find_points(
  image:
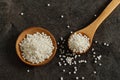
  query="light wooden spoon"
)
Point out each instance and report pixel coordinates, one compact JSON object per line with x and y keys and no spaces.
{"x":90,"y":30}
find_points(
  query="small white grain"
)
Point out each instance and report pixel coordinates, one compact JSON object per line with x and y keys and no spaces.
{"x":61,"y":78}
{"x":62,"y":16}
{"x":85,"y":61}
{"x":95,"y":61}
{"x":94,"y":52}
{"x":77,"y":78}
{"x":75,"y":62}
{"x":28,"y":70}
{"x":68,"y":26}
{"x":65,"y":64}
{"x":93,"y":49}
{"x":96,"y":41}
{"x":105,"y":44}
{"x":63,"y":56}
{"x":58,"y":43}
{"x":60,"y":56}
{"x":83,"y":78}
{"x":61,"y":38}
{"x":74,"y":72}
{"x":69,"y":72}
{"x":22,"y":13}
{"x":100,"y":64}
{"x":75,"y":67}
{"x":95,"y":15}
{"x":48,"y":4}
{"x":94,"y":56}
{"x":71,"y":32}
{"x":61,"y":59}
{"x":63,"y":70}
{"x":59,"y":63}
{"x":79,"y":55}
{"x":94,"y":72}
{"x":75,"y":56}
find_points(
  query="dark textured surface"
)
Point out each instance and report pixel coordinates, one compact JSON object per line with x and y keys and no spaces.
{"x":77,"y":14}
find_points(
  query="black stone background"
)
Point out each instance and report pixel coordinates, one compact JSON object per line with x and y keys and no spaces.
{"x":77,"y":14}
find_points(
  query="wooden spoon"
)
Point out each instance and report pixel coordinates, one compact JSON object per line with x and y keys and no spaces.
{"x":33,"y":30}
{"x":90,"y":30}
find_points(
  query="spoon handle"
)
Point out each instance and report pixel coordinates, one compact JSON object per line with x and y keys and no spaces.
{"x":107,"y":11}
{"x":91,"y":29}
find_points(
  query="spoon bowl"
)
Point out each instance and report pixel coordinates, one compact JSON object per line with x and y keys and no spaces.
{"x":90,"y":30}
{"x":33,"y":30}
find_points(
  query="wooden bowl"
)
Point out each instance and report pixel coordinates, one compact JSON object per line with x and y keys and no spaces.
{"x":33,"y":30}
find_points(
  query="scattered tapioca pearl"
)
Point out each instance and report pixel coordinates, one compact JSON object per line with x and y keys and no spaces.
{"x":28,"y":70}
{"x":94,"y":72}
{"x":61,"y":59}
{"x":63,"y":70}
{"x":61,"y":38}
{"x":71,"y":32}
{"x":22,"y":13}
{"x":93,"y":49}
{"x":99,"y":57}
{"x":60,"y":56}
{"x":77,"y":78}
{"x":69,"y":72}
{"x":65,"y":64}
{"x":79,"y":55}
{"x":61,"y":78}
{"x":95,"y":61}
{"x":96,"y":41}
{"x":63,"y":56}
{"x":79,"y":61}
{"x":95,"y":15}
{"x":94,"y":52}
{"x":74,"y":72}
{"x":48,"y":4}
{"x":68,"y":26}
{"x":75,"y":62}
{"x":83,"y":78}
{"x":75,"y":56}
{"x":94,"y":56}
{"x":85,"y":61}
{"x":62,"y":16}
{"x":75,"y":67}
{"x":58,"y":43}
{"x":72,"y":63}
{"x":59,"y":63}
{"x":100,"y":64}
{"x":105,"y":44}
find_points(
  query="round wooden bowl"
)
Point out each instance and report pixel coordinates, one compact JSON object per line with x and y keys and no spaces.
{"x":33,"y":30}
